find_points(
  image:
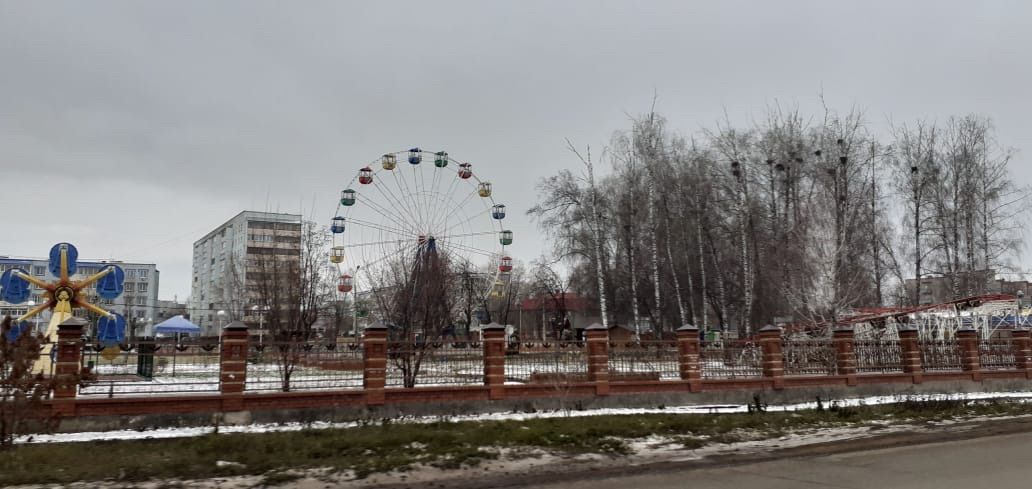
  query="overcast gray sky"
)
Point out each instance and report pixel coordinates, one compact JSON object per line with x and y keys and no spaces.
{"x":132,"y":128}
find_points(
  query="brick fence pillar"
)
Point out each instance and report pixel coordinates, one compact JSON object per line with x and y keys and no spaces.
{"x":598,"y":357}
{"x":910,"y":353}
{"x":773,"y":356}
{"x":845,"y":356}
{"x":1022,"y":346}
{"x":970,"y":360}
{"x":688,"y":356}
{"x":494,"y":360}
{"x":233,"y":365}
{"x":68,"y":365}
{"x":374,"y":363}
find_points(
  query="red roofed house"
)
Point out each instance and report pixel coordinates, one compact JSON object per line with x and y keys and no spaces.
{"x":540,"y":316}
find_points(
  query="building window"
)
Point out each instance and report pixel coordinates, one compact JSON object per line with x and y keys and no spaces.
{"x":142,"y":288}
{"x":140,"y":313}
{"x":38,"y":270}
{"x":131,"y":273}
{"x":143,"y":274}
{"x":129,"y":286}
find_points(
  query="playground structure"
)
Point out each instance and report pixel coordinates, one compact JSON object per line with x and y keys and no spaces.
{"x":988,"y":315}
{"x":62,"y":296}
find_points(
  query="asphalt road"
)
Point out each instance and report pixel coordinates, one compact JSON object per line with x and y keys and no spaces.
{"x":998,"y":462}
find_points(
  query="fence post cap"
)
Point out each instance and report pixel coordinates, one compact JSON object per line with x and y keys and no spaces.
{"x":906,"y":327}
{"x":842,"y":328}
{"x":235,"y":326}
{"x":376,"y":326}
{"x":688,"y":327}
{"x":72,"y":323}
{"x":770,"y":327}
{"x":595,"y":327}
{"x":492,"y":326}
{"x":967,"y":329}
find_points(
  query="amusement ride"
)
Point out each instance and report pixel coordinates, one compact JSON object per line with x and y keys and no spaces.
{"x":408,"y":204}
{"x":62,"y":295}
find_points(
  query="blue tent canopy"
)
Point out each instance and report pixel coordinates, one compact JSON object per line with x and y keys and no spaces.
{"x":176,"y":324}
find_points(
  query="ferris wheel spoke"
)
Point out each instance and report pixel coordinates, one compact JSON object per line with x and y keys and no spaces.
{"x":435,"y":201}
{"x":375,"y":243}
{"x":451,"y":187}
{"x":470,"y":218}
{"x":424,"y":201}
{"x":379,"y":210}
{"x":399,"y":209}
{"x":379,"y":227}
{"x":410,"y":195}
{"x":404,"y":194}
{"x":414,"y":193}
{"x":447,"y":236}
{"x":470,"y":249}
{"x":459,"y":206}
{"x":441,"y":205}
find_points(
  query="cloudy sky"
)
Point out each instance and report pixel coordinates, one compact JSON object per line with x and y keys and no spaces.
{"x":132,"y":128}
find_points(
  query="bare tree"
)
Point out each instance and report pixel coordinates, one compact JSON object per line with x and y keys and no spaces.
{"x":22,"y":391}
{"x":416,"y":295}
{"x":293,"y":283}
{"x":553,"y":287}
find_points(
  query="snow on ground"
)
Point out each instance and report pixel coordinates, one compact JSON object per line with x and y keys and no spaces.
{"x":686,"y":409}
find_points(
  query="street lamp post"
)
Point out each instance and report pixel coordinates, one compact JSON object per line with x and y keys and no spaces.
{"x":260,"y":311}
{"x":35,"y":319}
{"x":221,"y":317}
{"x":354,"y":303}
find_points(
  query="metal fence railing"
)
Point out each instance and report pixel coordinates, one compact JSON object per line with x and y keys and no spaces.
{"x":644,"y":360}
{"x":149,"y":367}
{"x":167,"y":366}
{"x":300,"y":366}
{"x":730,"y":360}
{"x":422,"y":364}
{"x":878,"y":356}
{"x":940,"y":355}
{"x":810,"y":357}
{"x":996,"y":354}
{"x":547,"y":362}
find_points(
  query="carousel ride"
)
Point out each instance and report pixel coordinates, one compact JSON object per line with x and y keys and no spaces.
{"x":63,"y":294}
{"x":410,"y":207}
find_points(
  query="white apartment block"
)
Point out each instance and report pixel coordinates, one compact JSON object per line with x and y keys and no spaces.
{"x":220,"y":262}
{"x":138,"y":303}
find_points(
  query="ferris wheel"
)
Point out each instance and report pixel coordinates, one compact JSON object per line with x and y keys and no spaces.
{"x":415,"y":201}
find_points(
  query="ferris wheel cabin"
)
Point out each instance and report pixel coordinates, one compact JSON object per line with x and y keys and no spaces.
{"x":505,"y":264}
{"x":441,"y":159}
{"x":484,"y":189}
{"x":415,"y":156}
{"x":337,"y":254}
{"x":337,"y":225}
{"x":347,"y":197}
{"x":365,"y":176}
{"x":498,"y":211}
{"x":346,"y":283}
{"x":465,"y":170}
